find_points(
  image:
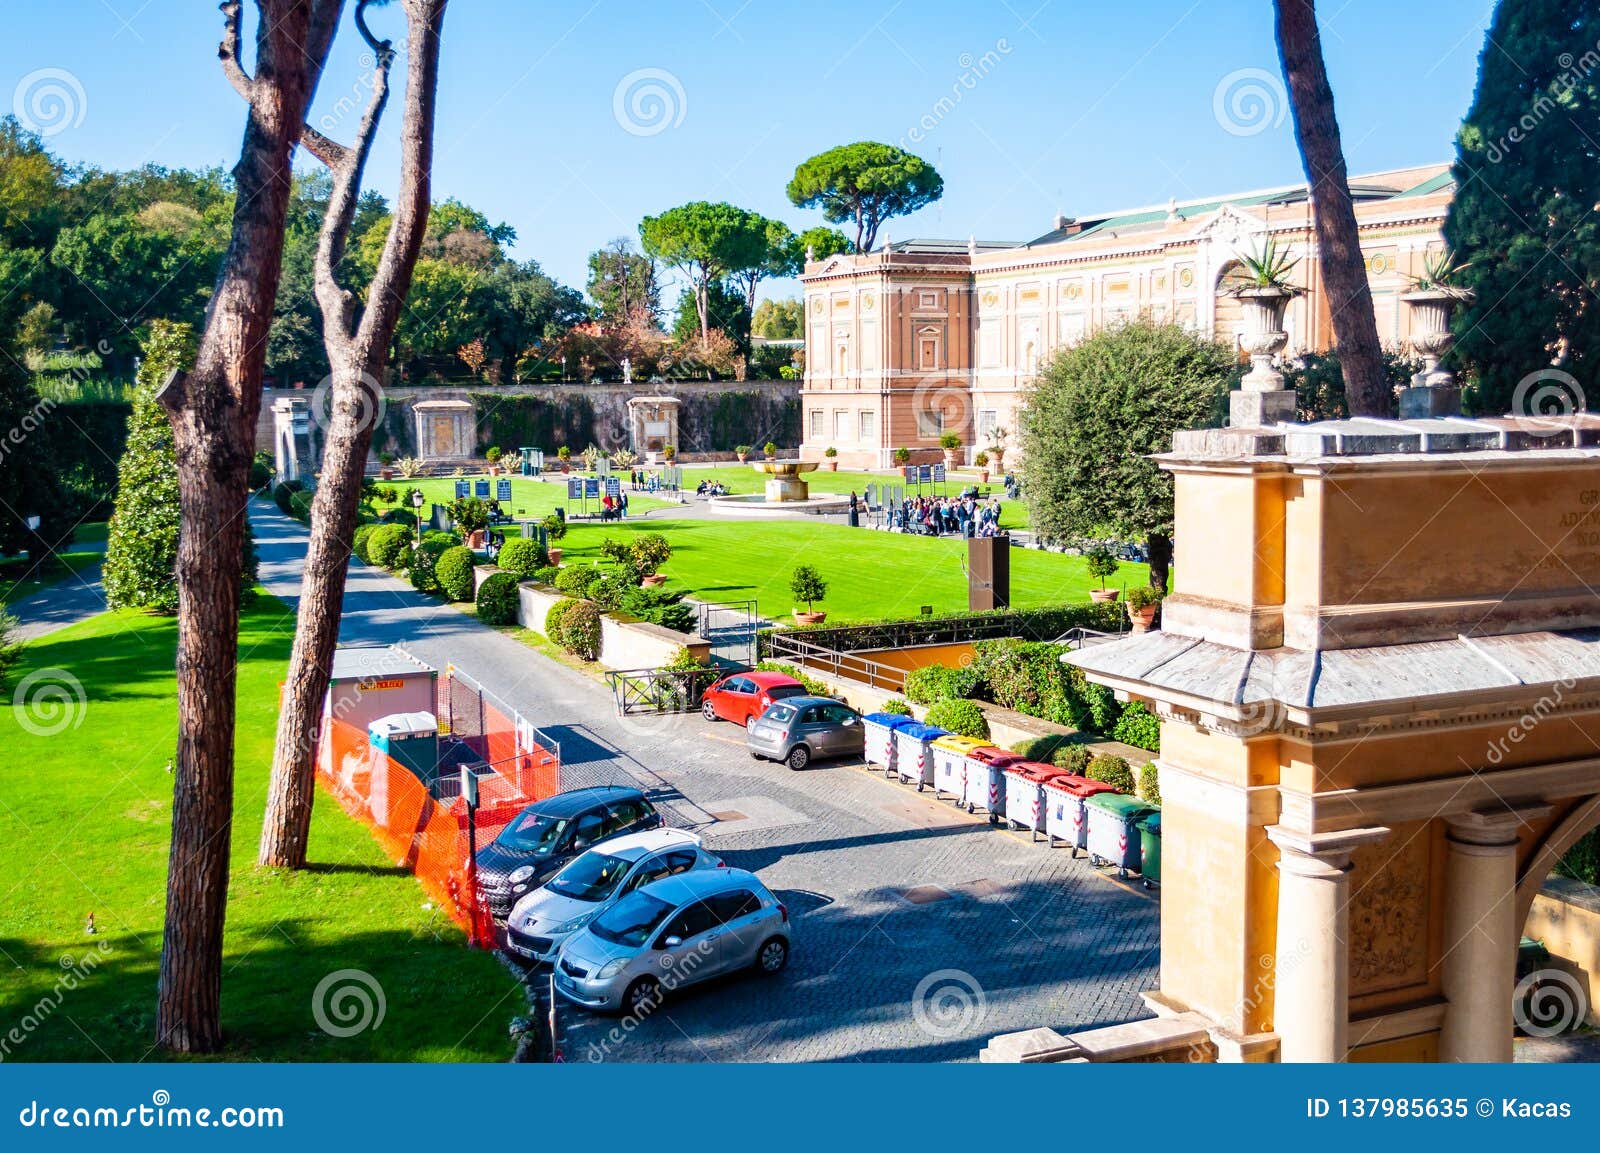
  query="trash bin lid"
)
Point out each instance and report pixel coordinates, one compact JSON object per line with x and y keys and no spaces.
{"x":1152,"y":823}
{"x":955,"y":744}
{"x":920,"y":732}
{"x":890,"y":720}
{"x":994,"y":755}
{"x":416,"y":724}
{"x":1078,"y":786}
{"x":1031,"y":771}
{"x":1121,"y":805}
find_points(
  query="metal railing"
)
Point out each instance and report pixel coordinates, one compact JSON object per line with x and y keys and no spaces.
{"x":877,"y":674}
{"x":654,"y":691}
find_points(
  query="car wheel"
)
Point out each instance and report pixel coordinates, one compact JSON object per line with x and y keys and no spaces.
{"x":708,"y":711}
{"x":772,"y":956}
{"x":642,"y":997}
{"x":748,"y":721}
{"x":799,"y":757}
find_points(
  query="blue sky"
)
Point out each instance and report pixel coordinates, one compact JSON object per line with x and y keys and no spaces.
{"x":1063,"y":106}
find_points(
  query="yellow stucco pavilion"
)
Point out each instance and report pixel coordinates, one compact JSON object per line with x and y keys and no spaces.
{"x":1379,"y":692}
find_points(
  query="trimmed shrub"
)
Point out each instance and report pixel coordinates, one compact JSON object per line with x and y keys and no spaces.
{"x":895,"y":707}
{"x":282,"y":493}
{"x":555,"y":617}
{"x":660,"y":607}
{"x":1150,"y":783}
{"x":1138,"y":726}
{"x":580,"y":630}
{"x":520,"y":556}
{"x":1073,"y":758}
{"x":497,"y":599}
{"x":424,"y":578}
{"x":545,"y":575}
{"x":1042,"y":749}
{"x":387,"y":544}
{"x":612,"y":589}
{"x":401,"y":516}
{"x":261,"y":469}
{"x":358,"y":542}
{"x":300,"y":506}
{"x":963,"y":718}
{"x":577,"y":580}
{"x":453,"y":570}
{"x":1113,"y":771}
{"x":929,"y":684}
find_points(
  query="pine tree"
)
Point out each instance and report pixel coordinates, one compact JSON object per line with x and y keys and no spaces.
{"x":142,"y":541}
{"x":1527,"y":174}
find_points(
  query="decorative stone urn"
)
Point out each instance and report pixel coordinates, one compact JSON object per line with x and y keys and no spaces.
{"x":997,"y":458}
{"x":1433,"y":391}
{"x":1261,"y":399}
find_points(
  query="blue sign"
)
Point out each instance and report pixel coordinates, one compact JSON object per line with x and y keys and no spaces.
{"x":911,"y":474}
{"x":463,"y":490}
{"x":502,"y":489}
{"x":924,"y":474}
{"x":480,"y":488}
{"x":938,"y":473}
{"x":574,"y":488}
{"x":591,"y":486}
{"x":613,"y":487}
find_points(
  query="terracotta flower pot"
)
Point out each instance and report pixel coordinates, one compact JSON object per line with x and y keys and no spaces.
{"x":998,"y":458}
{"x":801,"y":618}
{"x":983,"y":476}
{"x":476,"y":538}
{"x":386,"y":474}
{"x":832,"y":465}
{"x":1142,"y":619}
{"x":743,"y":456}
{"x":1103,"y":595}
{"x":652,"y":580}
{"x":555,"y":556}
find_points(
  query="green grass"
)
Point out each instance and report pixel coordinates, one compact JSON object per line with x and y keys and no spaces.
{"x":529,"y":496}
{"x":21,"y":577}
{"x":870,"y":574}
{"x":84,"y":827}
{"x":743,"y":478}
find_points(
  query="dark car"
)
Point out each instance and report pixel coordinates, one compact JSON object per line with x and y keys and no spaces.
{"x":549,"y":833}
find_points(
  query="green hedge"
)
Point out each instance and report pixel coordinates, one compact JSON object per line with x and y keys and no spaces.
{"x":1150,"y":783}
{"x":1138,"y":726}
{"x":961,"y":717}
{"x":1073,"y":758}
{"x":358,"y":542}
{"x":555,"y":617}
{"x":388,"y":544}
{"x":283,"y":495}
{"x":497,"y":599}
{"x":1038,"y":624}
{"x":1113,"y":771}
{"x":454,"y":573}
{"x":896,"y":708}
{"x":522,"y":557}
{"x":580,"y":630}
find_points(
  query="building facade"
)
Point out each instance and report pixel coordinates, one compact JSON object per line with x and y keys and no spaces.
{"x":923,"y":337}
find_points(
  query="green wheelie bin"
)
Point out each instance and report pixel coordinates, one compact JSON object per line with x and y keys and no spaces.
{"x":1150,"y":846}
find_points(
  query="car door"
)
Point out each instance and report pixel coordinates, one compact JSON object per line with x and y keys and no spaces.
{"x":730,"y":701}
{"x":739,"y":928}
{"x":849,"y":735}
{"x":695,"y":955}
{"x":811,"y":729}
{"x":587,"y":830}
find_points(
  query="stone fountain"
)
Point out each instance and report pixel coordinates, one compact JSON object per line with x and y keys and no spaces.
{"x":787,"y":493}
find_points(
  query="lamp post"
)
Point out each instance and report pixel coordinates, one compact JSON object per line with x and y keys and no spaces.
{"x":416,"y":503}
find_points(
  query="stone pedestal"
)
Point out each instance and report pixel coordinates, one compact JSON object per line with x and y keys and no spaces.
{"x":1249,"y":408}
{"x":1419,"y":402}
{"x":785,"y":488}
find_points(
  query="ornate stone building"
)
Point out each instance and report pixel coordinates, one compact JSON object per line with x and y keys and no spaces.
{"x":922,"y":337}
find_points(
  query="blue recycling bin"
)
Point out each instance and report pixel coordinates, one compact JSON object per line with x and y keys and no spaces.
{"x":913,"y":761}
{"x":879,"y":730}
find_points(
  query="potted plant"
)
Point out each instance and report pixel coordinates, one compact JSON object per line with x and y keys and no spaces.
{"x":591,"y":457}
{"x":1261,"y":284}
{"x":564,"y":455}
{"x":902,"y":456}
{"x":555,"y":528}
{"x":770,"y":450}
{"x":997,"y":448}
{"x":471,"y":516}
{"x":832,"y":461}
{"x":742,"y":452}
{"x":807,"y":585}
{"x":982,"y":463}
{"x":492,"y":454}
{"x":386,"y":465}
{"x":669,"y":452}
{"x":648,"y":553}
{"x":1101,"y":563}
{"x":951,"y":443}
{"x":1142,"y":602}
{"x":1432,"y":298}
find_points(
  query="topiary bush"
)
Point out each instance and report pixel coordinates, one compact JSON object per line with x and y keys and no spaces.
{"x":895,"y":707}
{"x":261,"y":469}
{"x":929,"y":684}
{"x":1138,"y":726}
{"x":963,"y":718}
{"x":545,"y":576}
{"x":580,"y":630}
{"x":453,"y":570}
{"x":554,"y":617}
{"x":401,"y":516}
{"x":387,"y":544}
{"x":660,"y":607}
{"x":1150,"y":783}
{"x":424,"y":577}
{"x":300,"y":506}
{"x":522,"y":556}
{"x":1113,"y":771}
{"x":577,"y":580}
{"x":1073,"y":758}
{"x":282,"y":493}
{"x":612,"y":589}
{"x":358,"y":542}
{"x":497,"y":599}
{"x":1042,"y":749}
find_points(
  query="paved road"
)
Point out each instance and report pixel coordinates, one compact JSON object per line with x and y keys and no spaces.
{"x":76,"y":598}
{"x":1015,"y":936}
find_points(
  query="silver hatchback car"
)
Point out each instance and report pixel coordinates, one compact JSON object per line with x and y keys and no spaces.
{"x":675,"y":932}
{"x":800,"y":729}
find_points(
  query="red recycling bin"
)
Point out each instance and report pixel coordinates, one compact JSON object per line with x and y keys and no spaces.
{"x":1025,"y":783}
{"x":985,"y":786}
{"x":1066,"y":819}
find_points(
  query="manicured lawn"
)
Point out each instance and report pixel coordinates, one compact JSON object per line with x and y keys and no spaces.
{"x":870,"y":574}
{"x":743,"y":478}
{"x":530,"y":496}
{"x":84,"y":827}
{"x":21,"y":577}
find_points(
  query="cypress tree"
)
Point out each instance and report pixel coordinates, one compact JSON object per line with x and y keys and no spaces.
{"x":142,"y":540}
{"x":1527,"y":174}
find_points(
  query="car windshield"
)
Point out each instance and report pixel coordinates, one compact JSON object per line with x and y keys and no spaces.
{"x":631,"y":920}
{"x":592,"y":877}
{"x":532,"y":833}
{"x":780,"y":713}
{"x":778,"y":692}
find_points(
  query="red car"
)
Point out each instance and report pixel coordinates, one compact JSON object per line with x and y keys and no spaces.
{"x":743,"y":697}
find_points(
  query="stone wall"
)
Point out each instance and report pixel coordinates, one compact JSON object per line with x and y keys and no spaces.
{"x":625,"y":641}
{"x":1566,"y":918}
{"x":713,"y":417}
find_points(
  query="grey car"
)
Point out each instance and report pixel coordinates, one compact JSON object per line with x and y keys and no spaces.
{"x":675,"y":932}
{"x":801,"y":729}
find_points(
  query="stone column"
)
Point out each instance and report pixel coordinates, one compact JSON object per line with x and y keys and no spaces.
{"x":1479,"y":966}
{"x":1311,"y":1002}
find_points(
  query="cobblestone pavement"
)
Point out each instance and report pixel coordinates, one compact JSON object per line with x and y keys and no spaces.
{"x":1014,"y":936}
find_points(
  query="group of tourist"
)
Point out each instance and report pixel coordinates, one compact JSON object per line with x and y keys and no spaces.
{"x":712,"y":488}
{"x":614,"y":507}
{"x":966,"y":515}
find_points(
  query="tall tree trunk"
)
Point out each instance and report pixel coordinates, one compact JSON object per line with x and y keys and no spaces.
{"x":358,"y":354}
{"x":1158,"y":546}
{"x":213,"y":412}
{"x":1343,"y":271}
